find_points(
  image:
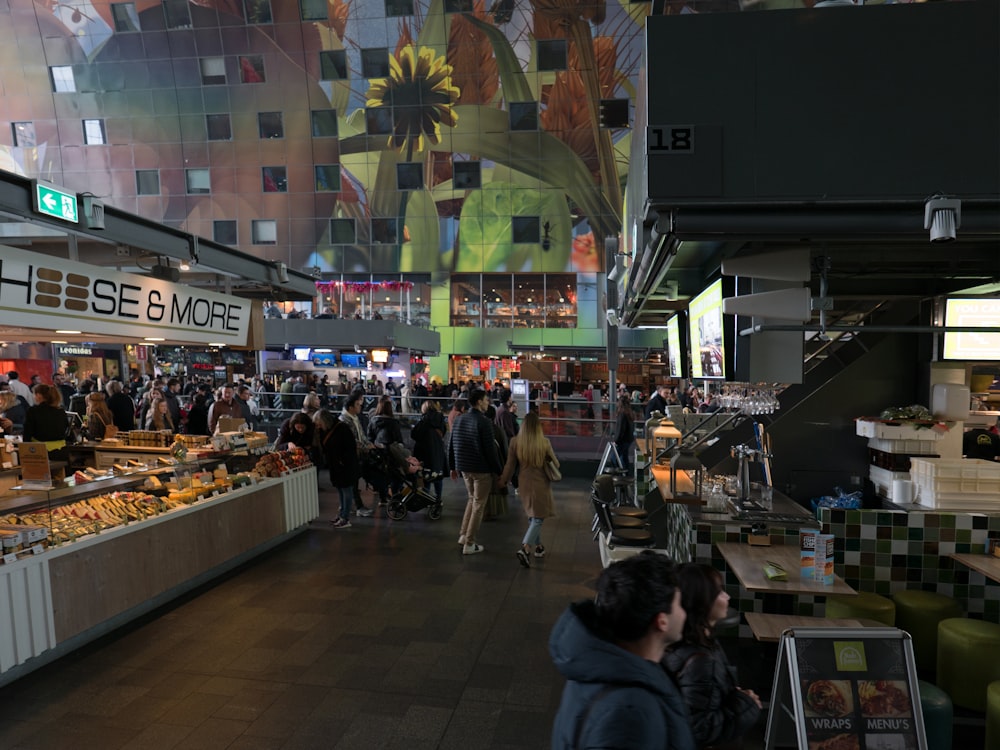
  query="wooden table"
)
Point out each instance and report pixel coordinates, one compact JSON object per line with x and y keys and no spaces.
{"x":770,"y":627}
{"x":747,"y":563}
{"x":988,"y":565}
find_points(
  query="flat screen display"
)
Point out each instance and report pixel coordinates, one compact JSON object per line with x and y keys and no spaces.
{"x":302,"y":353}
{"x":380,"y":355}
{"x":233,"y":358}
{"x":353,"y":360}
{"x":708,"y":355}
{"x":201,"y":358}
{"x":970,"y":345}
{"x":675,"y":352}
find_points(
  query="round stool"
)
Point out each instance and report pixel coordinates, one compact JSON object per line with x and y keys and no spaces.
{"x":865,"y":605}
{"x":993,"y":714}
{"x":935,"y":705}
{"x":968,"y":659}
{"x":918,"y":613}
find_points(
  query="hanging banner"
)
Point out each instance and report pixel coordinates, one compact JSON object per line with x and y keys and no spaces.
{"x":38,"y":291}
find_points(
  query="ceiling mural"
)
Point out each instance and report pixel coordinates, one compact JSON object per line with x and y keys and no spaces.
{"x":372,"y":136}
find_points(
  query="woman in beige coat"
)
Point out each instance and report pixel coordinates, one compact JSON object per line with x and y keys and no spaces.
{"x":529,"y":450}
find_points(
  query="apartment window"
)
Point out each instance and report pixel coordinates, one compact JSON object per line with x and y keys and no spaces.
{"x":270,"y":125}
{"x":213,"y":70}
{"x":526,"y":230}
{"x":313,"y":10}
{"x":264,"y":231}
{"x":333,"y":65}
{"x":395,"y":8}
{"x":324,"y":123}
{"x":385,"y":231}
{"x":613,"y":113}
{"x":327,"y":178}
{"x":147,"y":182}
{"x":224,"y":232}
{"x":94,"y":133}
{"x":342,"y":232}
{"x":62,"y":78}
{"x":219,"y":127}
{"x":551,"y":54}
{"x":375,"y":63}
{"x":524,"y":115}
{"x":409,"y":176}
{"x":198,"y":182}
{"x":23,"y":134}
{"x":274,"y":179}
{"x":466,"y":175}
{"x":177,"y":14}
{"x":124,"y":16}
{"x":252,"y":69}
{"x":257,"y":11}
{"x":378,"y":120}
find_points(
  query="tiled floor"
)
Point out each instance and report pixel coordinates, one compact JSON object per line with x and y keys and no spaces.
{"x":378,"y":636}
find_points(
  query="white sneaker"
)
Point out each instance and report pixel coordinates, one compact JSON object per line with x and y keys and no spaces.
{"x":365,"y":513}
{"x":472,"y":549}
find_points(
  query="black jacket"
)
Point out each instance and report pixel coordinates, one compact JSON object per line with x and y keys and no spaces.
{"x":44,"y":423}
{"x":656,"y":403}
{"x":720,"y":713}
{"x":341,"y":453}
{"x":613,"y":698}
{"x":472,"y":447}
{"x":384,"y":431}
{"x":428,"y":440}
{"x":122,"y":411}
{"x":624,"y":428}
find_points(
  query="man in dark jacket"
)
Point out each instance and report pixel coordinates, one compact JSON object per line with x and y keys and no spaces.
{"x":617,"y":694}
{"x":658,"y":401}
{"x":473,"y":451}
{"x":170,"y":392}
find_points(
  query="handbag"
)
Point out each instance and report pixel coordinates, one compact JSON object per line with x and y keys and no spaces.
{"x":552,"y":471}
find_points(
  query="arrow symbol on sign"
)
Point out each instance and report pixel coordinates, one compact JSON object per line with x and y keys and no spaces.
{"x":49,"y":201}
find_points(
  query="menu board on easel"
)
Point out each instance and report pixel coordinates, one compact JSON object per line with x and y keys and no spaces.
{"x":845,"y":689}
{"x":36,"y":473}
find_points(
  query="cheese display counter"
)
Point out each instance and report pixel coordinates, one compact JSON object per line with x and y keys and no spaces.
{"x":123,"y":551}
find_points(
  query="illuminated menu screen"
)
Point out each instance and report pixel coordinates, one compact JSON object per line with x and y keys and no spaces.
{"x":972,"y":345}
{"x":674,"y":359}
{"x":856,"y":694}
{"x":705,"y":319}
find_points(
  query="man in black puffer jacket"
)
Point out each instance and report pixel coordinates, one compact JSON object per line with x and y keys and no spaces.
{"x":473,"y":451}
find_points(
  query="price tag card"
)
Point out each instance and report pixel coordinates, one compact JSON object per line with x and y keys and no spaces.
{"x":215,"y":493}
{"x":10,"y":558}
{"x":200,"y":498}
{"x":37,"y":549}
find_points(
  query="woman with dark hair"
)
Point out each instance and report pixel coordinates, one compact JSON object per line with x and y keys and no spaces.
{"x":721,"y":711}
{"x":428,"y":441}
{"x":197,"y":421}
{"x":98,"y":415}
{"x":459,"y":407}
{"x":298,"y":430}
{"x":384,"y":429}
{"x":336,"y":440}
{"x":46,"y":421}
{"x":625,"y":431}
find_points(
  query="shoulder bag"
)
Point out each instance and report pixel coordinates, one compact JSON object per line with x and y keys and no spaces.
{"x":552,"y":471}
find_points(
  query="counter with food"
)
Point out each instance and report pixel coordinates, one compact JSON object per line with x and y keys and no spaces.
{"x":111,"y":551}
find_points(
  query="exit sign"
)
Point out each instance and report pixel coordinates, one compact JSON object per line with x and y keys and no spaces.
{"x":56,"y":202}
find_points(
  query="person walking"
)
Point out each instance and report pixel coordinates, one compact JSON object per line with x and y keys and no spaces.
{"x":336,"y":439}
{"x":528,"y":452}
{"x":625,"y":432}
{"x":473,"y":452}
{"x":609,"y":650}
{"x":428,"y":442}
{"x":721,"y":711}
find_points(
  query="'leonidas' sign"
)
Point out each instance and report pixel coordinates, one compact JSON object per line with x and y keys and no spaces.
{"x":38,"y":291}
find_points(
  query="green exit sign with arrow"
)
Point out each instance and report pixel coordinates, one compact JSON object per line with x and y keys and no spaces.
{"x":56,"y":202}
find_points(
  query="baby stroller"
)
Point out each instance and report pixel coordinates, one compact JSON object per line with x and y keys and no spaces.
{"x":413,"y":495}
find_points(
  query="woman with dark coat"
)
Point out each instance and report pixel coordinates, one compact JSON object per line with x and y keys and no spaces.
{"x":428,"y":441}
{"x":46,"y":421}
{"x":384,"y":429}
{"x":336,"y":440}
{"x":721,"y":711}
{"x":297,"y":430}
{"x":528,"y":452}
{"x":625,"y":431}
{"x":197,"y":421}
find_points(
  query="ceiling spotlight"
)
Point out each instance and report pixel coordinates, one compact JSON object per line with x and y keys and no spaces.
{"x":943,"y":217}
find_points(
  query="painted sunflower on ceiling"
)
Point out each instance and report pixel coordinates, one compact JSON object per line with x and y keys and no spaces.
{"x":421,"y":95}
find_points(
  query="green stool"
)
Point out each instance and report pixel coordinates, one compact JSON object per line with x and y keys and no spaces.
{"x":993,"y":715}
{"x":968,"y":659}
{"x":865,"y":605}
{"x":918,"y":613}
{"x":935,"y":705}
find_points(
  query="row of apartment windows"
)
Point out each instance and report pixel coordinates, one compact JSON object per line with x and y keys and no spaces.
{"x":177,"y":13}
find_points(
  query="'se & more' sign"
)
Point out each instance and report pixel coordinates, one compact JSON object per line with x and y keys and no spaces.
{"x":38,"y":291}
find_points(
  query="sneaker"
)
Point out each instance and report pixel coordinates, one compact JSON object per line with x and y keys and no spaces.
{"x":472,"y":549}
{"x":522,"y":557}
{"x":365,"y":513}
{"x":341,"y":523}
{"x":461,"y":540}
{"x":539,"y":551}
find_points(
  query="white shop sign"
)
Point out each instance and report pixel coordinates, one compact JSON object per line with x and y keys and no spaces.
{"x":39,"y":291}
